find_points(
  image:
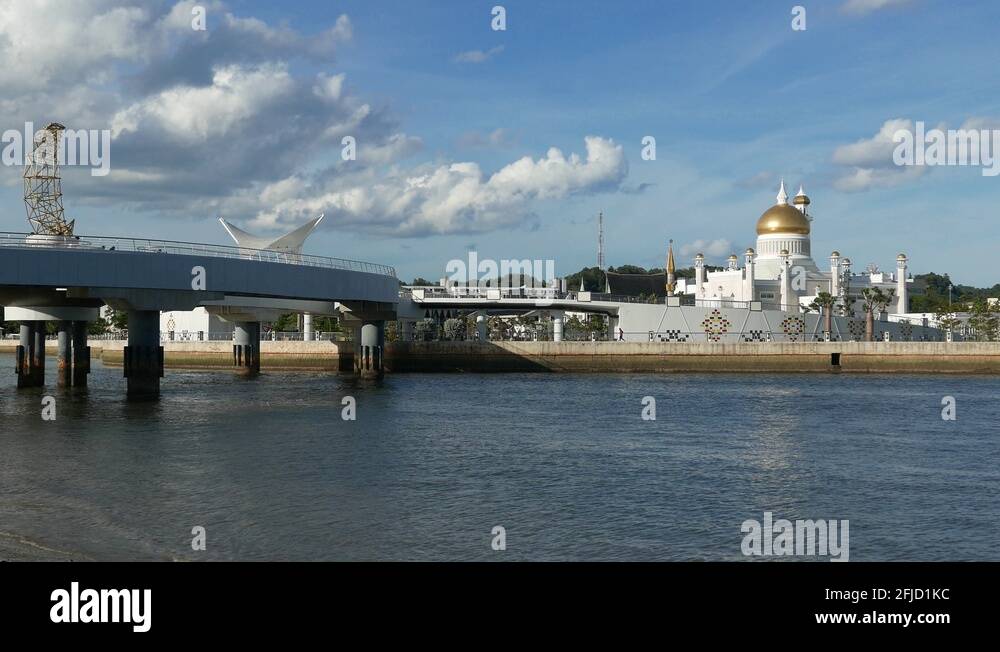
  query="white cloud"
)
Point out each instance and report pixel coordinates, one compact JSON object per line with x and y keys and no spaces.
{"x":454,"y":198}
{"x":711,"y":248}
{"x":870,"y":161}
{"x":499,"y":137}
{"x":478,"y":56}
{"x":862,"y":7}
{"x":46,"y":41}
{"x":861,"y":179}
{"x":222,"y":122}
{"x":874,"y":151}
{"x":193,"y":113}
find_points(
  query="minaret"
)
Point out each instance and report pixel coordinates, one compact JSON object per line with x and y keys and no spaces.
{"x":782,"y":195}
{"x":802,"y":201}
{"x":789,"y":300}
{"x":699,"y":276}
{"x":902,"y":300}
{"x":748,"y":277}
{"x":671,"y":279}
{"x":733,"y":262}
{"x":835,"y":273}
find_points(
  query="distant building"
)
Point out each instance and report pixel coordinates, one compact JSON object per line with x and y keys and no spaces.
{"x":193,"y":325}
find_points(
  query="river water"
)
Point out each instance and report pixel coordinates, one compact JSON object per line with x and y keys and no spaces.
{"x":564,"y":463}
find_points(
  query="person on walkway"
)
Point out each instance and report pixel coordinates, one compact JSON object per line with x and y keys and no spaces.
{"x":621,"y":334}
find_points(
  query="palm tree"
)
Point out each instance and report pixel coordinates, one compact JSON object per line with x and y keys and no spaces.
{"x":823,"y":304}
{"x":874,"y":300}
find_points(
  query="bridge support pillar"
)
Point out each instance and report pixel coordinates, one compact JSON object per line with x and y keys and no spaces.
{"x":246,"y":348}
{"x":38,"y":354}
{"x":482,"y":327}
{"x":26,"y":355}
{"x":81,"y":354}
{"x":557,"y":326}
{"x":64,"y":362}
{"x":369,"y":343}
{"x":143,"y":359}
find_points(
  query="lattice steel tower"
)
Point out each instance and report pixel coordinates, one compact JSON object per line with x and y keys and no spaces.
{"x":43,"y":186}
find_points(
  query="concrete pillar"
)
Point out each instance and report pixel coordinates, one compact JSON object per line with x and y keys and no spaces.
{"x":902,"y":299}
{"x":748,"y":276}
{"x":789,"y":298}
{"x":835,"y":274}
{"x":482,"y":327}
{"x":65,"y":359}
{"x":369,"y":344}
{"x":81,"y":354}
{"x":38,"y":354}
{"x":143,"y":356}
{"x":246,"y":348}
{"x":699,"y":276}
{"x":557,"y":326}
{"x":613,"y":322}
{"x":25,"y":352}
{"x":307,"y":326}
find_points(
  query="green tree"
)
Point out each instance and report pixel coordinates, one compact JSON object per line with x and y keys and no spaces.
{"x":454,"y":329}
{"x":874,"y":300}
{"x":946,"y":319}
{"x":983,"y":320}
{"x":823,"y":304}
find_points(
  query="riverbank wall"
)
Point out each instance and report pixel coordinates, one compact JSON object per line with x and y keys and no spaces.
{"x":657,"y":357}
{"x":590,"y":357}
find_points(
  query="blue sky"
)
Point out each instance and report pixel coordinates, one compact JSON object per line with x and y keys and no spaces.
{"x":455,"y":122}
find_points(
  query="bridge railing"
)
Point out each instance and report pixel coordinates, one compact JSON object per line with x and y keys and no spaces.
{"x":151,"y":246}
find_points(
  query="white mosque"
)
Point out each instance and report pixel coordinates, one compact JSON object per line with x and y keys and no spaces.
{"x":770,"y":296}
{"x":781,"y":273}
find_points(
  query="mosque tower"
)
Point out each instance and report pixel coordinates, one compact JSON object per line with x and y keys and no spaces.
{"x":784,"y":227}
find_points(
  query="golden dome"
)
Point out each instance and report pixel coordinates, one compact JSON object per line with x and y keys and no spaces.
{"x":782,"y":218}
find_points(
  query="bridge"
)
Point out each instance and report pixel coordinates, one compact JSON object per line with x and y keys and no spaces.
{"x":418,"y":302}
{"x":68,"y":278}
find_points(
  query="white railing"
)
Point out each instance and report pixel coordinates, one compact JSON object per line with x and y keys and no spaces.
{"x":144,"y":245}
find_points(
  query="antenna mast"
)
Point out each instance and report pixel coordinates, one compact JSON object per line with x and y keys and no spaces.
{"x":600,"y":241}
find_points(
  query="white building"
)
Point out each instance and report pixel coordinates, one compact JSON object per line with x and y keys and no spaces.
{"x":781,"y":272}
{"x":193,"y":325}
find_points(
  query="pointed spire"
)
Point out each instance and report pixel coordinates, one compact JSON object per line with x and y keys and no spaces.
{"x":671,"y":268}
{"x":801,"y":193}
{"x":782,"y":195}
{"x":581,"y":284}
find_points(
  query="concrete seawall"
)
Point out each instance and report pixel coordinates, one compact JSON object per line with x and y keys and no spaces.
{"x":917,"y":357}
{"x":219,"y":354}
{"x":595,"y":357}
